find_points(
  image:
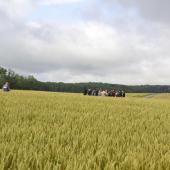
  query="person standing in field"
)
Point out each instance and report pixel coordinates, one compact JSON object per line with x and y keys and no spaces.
{"x":117,"y":94}
{"x":94,"y":92}
{"x":110,"y":93}
{"x":123,"y":94}
{"x":97,"y":92}
{"x":120,"y":93}
{"x":89,"y":92}
{"x":104,"y":93}
{"x":100,"y":92}
{"x":114,"y":93}
{"x":6,"y":87}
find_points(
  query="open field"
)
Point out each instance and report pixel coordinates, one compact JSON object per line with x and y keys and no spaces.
{"x":57,"y":131}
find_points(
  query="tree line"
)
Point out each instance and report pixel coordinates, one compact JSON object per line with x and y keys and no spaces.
{"x":20,"y":82}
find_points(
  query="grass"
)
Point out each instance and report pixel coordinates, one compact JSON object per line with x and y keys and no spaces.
{"x":58,"y":131}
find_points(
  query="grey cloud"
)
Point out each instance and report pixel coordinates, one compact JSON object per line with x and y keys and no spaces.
{"x":87,"y":51}
{"x":154,"y":10}
{"x":76,"y":54}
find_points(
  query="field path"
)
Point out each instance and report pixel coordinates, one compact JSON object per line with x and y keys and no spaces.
{"x":151,"y":95}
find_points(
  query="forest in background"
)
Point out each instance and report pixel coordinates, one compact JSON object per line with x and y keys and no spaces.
{"x":20,"y":82}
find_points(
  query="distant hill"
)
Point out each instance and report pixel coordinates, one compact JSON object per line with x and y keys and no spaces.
{"x":30,"y":83}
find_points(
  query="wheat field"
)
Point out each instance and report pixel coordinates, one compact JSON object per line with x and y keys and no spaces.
{"x":59,"y":131}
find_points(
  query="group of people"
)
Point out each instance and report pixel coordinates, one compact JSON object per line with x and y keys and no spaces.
{"x":111,"y":93}
{"x":6,"y":87}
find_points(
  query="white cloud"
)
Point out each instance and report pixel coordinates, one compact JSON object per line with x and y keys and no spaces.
{"x":16,"y":8}
{"x":57,"y":2}
{"x":87,"y":52}
{"x":129,"y":50}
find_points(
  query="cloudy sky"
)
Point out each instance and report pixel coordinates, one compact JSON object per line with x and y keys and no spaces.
{"x":115,"y":41}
